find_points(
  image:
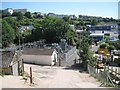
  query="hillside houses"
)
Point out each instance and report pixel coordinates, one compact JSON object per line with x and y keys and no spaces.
{"x":61,"y":15}
{"x":10,"y":11}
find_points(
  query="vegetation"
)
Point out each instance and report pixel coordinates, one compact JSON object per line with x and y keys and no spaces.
{"x":8,"y":35}
{"x":28,"y":15}
{"x":84,"y":48}
{"x":49,"y":28}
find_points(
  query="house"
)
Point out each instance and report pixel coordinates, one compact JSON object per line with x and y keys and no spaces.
{"x":57,"y":15}
{"x":106,"y":30}
{"x":23,"y":11}
{"x":41,"y":56}
{"x":8,"y":11}
{"x":61,"y":15}
{"x":12,"y":64}
{"x":97,"y":37}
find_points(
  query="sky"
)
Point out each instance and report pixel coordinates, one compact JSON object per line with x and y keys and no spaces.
{"x":103,"y":9}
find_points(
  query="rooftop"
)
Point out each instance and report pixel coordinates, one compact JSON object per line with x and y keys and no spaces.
{"x":96,"y":34}
{"x":38,"y":51}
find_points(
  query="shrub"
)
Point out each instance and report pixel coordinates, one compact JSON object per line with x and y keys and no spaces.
{"x":103,"y":45}
{"x":111,"y":47}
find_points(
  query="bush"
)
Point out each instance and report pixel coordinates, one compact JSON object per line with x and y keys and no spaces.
{"x":111,"y":47}
{"x":103,"y":45}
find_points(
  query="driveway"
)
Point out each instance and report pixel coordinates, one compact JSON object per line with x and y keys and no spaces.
{"x":61,"y":77}
{"x":51,"y":77}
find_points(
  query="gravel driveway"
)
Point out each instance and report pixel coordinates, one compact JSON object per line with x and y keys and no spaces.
{"x":51,"y":77}
{"x":60,"y":77}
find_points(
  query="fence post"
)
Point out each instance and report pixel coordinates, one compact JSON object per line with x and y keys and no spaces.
{"x":116,"y":72}
{"x":30,"y":74}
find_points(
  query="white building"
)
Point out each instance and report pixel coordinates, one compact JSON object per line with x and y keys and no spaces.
{"x":8,"y":11}
{"x":43,"y":56}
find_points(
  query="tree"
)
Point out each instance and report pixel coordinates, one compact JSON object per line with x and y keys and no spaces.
{"x":111,"y":47}
{"x":66,"y":19}
{"x":51,"y":29}
{"x":103,"y":45}
{"x":19,"y":16}
{"x":82,"y":23}
{"x":13,"y":23}
{"x":8,"y":34}
{"x":15,"y":26}
{"x":84,"y":48}
{"x":94,"y":22}
{"x":71,"y":36}
{"x":54,"y":29}
{"x":28,"y":15}
{"x":14,"y":13}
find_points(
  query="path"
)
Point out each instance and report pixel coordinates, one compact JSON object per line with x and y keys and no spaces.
{"x":52,"y":77}
{"x":68,"y":78}
{"x":61,"y":77}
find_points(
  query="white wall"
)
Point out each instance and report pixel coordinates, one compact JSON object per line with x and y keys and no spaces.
{"x":37,"y":59}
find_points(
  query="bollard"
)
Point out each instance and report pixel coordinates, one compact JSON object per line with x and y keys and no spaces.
{"x":30,"y":74}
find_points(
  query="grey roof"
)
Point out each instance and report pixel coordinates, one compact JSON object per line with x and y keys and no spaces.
{"x":6,"y":58}
{"x":37,"y":51}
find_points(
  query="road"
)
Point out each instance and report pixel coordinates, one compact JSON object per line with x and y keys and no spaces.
{"x":95,"y":48}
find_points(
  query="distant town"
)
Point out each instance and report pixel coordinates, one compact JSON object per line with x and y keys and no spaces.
{"x":49,"y":50}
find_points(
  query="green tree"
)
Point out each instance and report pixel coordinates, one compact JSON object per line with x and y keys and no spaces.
{"x":94,"y":22}
{"x":54,"y":29}
{"x":15,"y":25}
{"x":19,"y":16}
{"x":8,"y":34}
{"x":66,"y":19}
{"x":71,"y":37}
{"x":51,"y":29}
{"x":28,"y":15}
{"x":84,"y":48}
